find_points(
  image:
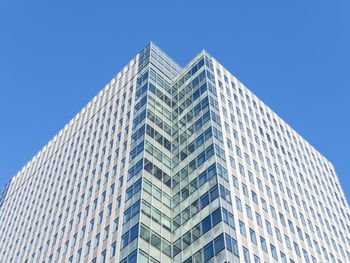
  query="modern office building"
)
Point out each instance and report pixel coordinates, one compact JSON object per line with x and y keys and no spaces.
{"x":171,"y":164}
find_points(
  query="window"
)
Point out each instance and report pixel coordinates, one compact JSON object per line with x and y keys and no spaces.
{"x":109,"y":210}
{"x":238,"y":204}
{"x":119,"y":202}
{"x":208,"y":252}
{"x":216,"y":216}
{"x":166,"y":247}
{"x":256,"y":259}
{"x":278,"y":234}
{"x":115,"y":224}
{"x":283,"y":258}
{"x":242,"y":228}
{"x":155,"y":240}
{"x":129,"y":236}
{"x":143,"y":257}
{"x":186,"y":240}
{"x":258,"y":219}
{"x":103,"y":256}
{"x":113,"y":249}
{"x":263,"y":244}
{"x":87,"y":248}
{"x":100,"y":217}
{"x":273,"y":251}
{"x":297,"y":250}
{"x":206,"y":224}
{"x":291,"y":227}
{"x":286,"y":238}
{"x":255,"y":197}
{"x":219,"y":244}
{"x":229,"y":144}
{"x":268,"y":227}
{"x":145,"y":233}
{"x":235,"y":182}
{"x":91,"y":225}
{"x":97,"y":240}
{"x":300,"y":234}
{"x":249,"y":211}
{"x":246,"y":255}
{"x":245,"y":189}
{"x":238,"y":151}
{"x":252,"y":236}
{"x":106,"y":232}
{"x":306,"y":256}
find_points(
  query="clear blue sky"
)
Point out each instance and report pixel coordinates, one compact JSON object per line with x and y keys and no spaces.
{"x":56,"y":55}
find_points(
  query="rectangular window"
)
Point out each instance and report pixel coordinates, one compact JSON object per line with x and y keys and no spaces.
{"x":242,"y":228}
{"x":263,"y":244}
{"x":252,"y":236}
{"x":273,"y":251}
{"x":246,"y":256}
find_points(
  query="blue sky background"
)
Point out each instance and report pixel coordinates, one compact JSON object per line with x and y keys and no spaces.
{"x":56,"y":55}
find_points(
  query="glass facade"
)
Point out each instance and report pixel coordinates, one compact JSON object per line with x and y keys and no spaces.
{"x":172,"y":164}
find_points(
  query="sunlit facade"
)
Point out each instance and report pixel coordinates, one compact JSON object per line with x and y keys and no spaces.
{"x":175,"y":164}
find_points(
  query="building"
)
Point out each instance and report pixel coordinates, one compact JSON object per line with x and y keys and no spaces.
{"x":172,"y":164}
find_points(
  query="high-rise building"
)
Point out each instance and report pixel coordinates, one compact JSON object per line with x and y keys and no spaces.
{"x":172,"y":164}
